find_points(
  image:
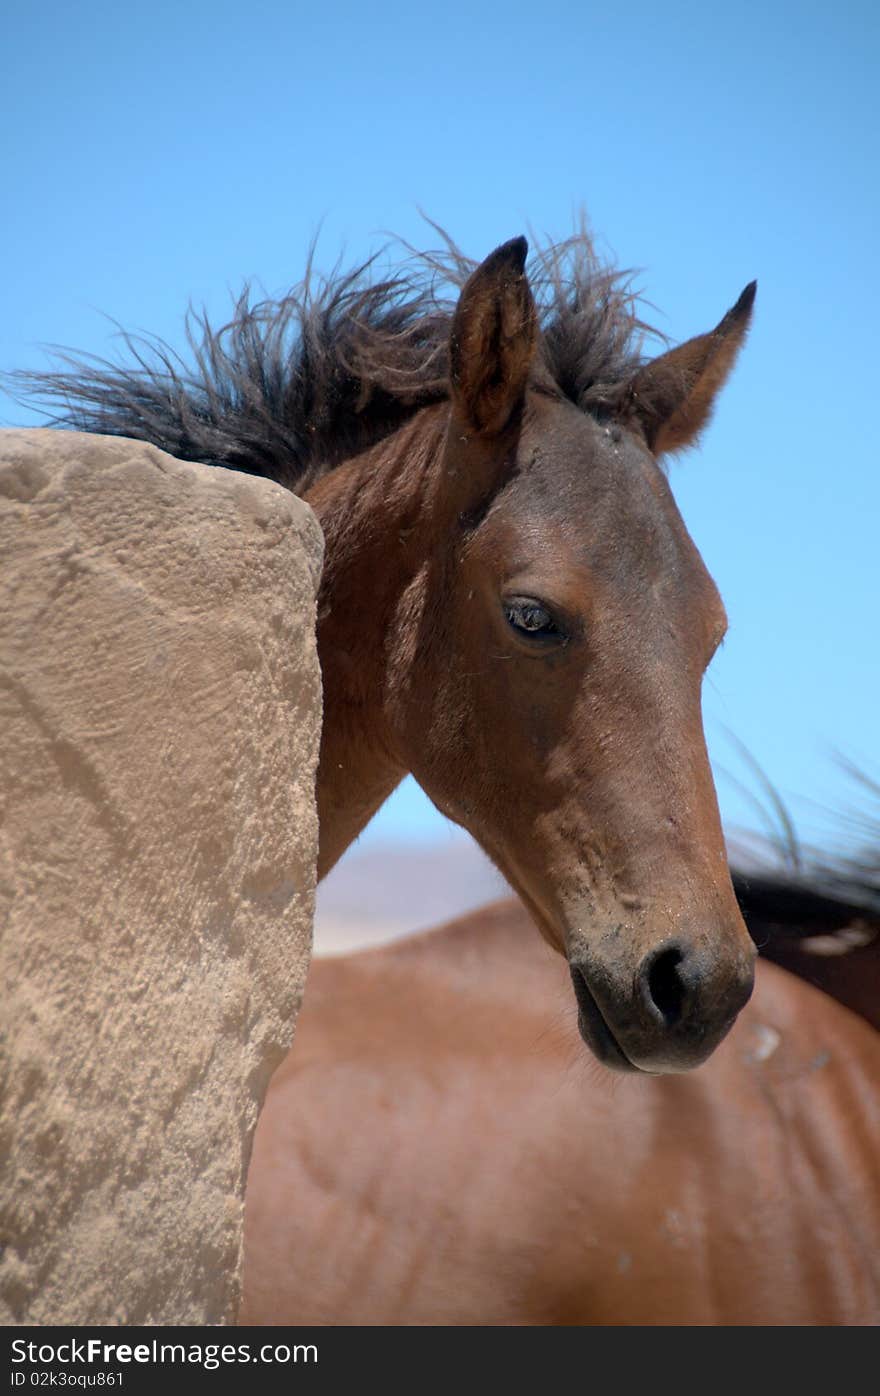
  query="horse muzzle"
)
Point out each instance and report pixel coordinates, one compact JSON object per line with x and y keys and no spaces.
{"x":669,"y":1012}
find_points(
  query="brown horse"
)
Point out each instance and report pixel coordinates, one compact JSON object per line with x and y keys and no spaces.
{"x":433,"y":1151}
{"x":512,"y":608}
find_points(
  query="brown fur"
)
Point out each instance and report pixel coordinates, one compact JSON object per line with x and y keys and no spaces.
{"x":436,"y":1151}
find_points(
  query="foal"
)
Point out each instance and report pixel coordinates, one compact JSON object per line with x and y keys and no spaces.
{"x":512,"y":608}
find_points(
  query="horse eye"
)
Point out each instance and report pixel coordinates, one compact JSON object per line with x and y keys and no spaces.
{"x":529,"y":617}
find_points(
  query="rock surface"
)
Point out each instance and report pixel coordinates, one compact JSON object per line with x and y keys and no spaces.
{"x":160,"y":709}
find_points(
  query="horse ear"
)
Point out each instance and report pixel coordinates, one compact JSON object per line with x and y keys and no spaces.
{"x":493,"y":339}
{"x":672,"y":397}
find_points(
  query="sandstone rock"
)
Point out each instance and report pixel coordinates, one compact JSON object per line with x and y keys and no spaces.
{"x":160,"y":710}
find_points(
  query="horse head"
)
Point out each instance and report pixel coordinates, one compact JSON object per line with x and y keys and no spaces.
{"x":551,"y":699}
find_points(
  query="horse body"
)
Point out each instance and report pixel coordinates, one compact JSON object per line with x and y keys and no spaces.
{"x":435,"y":1150}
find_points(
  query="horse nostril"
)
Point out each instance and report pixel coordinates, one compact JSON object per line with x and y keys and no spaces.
{"x":663,"y":985}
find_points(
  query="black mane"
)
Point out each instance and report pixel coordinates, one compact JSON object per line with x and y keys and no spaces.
{"x":289,"y":388}
{"x":801,"y":892}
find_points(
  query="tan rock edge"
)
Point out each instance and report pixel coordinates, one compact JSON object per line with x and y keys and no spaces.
{"x":160,"y":709}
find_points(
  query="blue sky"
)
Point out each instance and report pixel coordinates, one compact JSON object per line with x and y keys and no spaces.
{"x":159,"y":153}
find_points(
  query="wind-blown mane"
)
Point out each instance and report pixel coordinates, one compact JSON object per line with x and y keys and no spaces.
{"x":802,"y":894}
{"x":817,"y":914}
{"x":288,"y":388}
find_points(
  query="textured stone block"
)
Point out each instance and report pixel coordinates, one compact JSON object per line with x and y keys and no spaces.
{"x":160,"y":710}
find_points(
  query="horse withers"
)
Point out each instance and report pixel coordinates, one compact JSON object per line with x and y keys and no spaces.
{"x":512,"y":608}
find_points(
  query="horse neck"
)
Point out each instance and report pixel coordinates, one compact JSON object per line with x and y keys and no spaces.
{"x":376,"y":511}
